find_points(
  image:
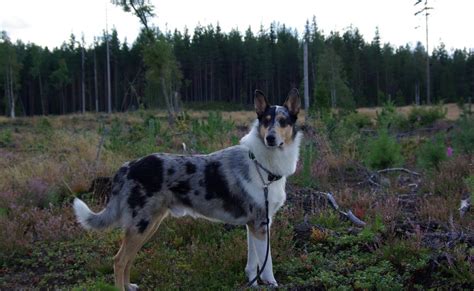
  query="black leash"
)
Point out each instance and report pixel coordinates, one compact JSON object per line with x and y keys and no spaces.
{"x":271,"y":178}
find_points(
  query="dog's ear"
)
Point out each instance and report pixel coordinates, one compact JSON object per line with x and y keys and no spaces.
{"x":293,"y":102}
{"x":260,"y":102}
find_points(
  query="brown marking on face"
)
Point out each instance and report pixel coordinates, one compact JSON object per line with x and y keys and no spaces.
{"x":286,"y":133}
{"x":263,"y":131}
{"x":283,"y":128}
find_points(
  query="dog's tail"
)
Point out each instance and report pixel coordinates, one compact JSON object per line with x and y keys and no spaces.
{"x":108,"y":217}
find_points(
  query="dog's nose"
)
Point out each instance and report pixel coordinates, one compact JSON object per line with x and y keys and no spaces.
{"x":270,"y":140}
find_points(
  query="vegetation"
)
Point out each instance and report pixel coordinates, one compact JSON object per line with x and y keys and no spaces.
{"x":414,"y":238}
{"x":383,"y":151}
{"x":206,"y":65}
{"x":432,"y":153}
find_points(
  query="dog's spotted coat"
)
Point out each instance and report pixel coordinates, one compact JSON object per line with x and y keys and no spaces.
{"x":222,"y":186}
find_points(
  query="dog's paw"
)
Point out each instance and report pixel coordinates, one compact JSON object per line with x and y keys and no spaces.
{"x":132,"y":287}
{"x":273,"y":283}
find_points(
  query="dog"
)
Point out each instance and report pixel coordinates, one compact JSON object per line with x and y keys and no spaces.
{"x":224,"y":186}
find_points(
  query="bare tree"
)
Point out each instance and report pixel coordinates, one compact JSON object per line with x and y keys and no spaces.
{"x":424,"y":11}
{"x":83,"y":76}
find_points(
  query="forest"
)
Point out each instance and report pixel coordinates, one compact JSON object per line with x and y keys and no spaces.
{"x":209,"y":65}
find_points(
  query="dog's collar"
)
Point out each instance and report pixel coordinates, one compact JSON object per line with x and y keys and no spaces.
{"x":271,"y":177}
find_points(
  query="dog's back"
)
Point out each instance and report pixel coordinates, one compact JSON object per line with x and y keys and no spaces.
{"x":213,"y":186}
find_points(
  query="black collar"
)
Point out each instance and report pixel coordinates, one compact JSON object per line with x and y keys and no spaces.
{"x":271,"y":177}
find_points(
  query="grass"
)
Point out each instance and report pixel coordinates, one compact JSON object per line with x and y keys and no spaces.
{"x":46,"y":161}
{"x":453,"y":112}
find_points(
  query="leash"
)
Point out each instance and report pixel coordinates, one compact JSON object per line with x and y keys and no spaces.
{"x":271,"y":178}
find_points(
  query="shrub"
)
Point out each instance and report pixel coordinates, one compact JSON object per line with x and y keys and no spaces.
{"x":116,"y":140}
{"x":23,"y":225}
{"x":382,"y":151}
{"x":6,"y":138}
{"x":424,"y":116}
{"x":463,"y":137}
{"x":449,"y":180}
{"x":432,"y":153}
{"x":207,"y":132}
{"x":469,"y":181}
{"x":308,"y":156}
{"x":44,"y":126}
{"x":390,"y":118}
{"x":343,"y":134}
{"x":358,"y":120}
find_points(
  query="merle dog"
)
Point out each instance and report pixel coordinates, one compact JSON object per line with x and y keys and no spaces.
{"x":225,"y":186}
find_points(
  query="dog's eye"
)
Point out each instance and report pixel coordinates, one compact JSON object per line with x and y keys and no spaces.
{"x":283,"y":122}
{"x":266,"y":120}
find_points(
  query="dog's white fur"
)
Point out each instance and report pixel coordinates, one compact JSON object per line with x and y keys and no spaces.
{"x":282,"y":161}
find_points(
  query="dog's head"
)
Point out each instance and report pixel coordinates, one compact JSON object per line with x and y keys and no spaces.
{"x":277,"y":124}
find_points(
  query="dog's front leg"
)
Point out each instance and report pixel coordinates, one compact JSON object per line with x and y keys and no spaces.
{"x":257,"y":237}
{"x":252,"y":261}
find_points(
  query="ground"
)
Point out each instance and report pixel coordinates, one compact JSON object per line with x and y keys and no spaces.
{"x":412,"y":235}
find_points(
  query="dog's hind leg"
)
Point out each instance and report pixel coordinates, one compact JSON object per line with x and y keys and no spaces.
{"x":151,"y":229}
{"x":131,"y":244}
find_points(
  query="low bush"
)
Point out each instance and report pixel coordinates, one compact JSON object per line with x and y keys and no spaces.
{"x":449,"y":180}
{"x":463,"y":136}
{"x":390,"y":118}
{"x":308,"y":156}
{"x":432,"y":153}
{"x":358,"y":120}
{"x":208,"y":131}
{"x":6,"y":137}
{"x":420,"y":116}
{"x":24,"y":225}
{"x":382,"y":151}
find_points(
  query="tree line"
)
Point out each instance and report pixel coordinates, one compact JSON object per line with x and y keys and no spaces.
{"x":208,"y":65}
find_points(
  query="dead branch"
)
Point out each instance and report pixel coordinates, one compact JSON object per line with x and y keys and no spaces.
{"x":354,"y":219}
{"x":398,"y":169}
{"x":349,"y":215}
{"x":331,"y":199}
{"x":465,"y":206}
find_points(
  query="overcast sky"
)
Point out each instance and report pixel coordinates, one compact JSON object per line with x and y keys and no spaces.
{"x":50,"y":22}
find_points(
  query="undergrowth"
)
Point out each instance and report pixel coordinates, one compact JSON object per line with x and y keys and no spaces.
{"x":49,"y":160}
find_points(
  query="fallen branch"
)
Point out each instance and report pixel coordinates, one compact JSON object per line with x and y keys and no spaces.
{"x":354,"y":219}
{"x":465,"y":206}
{"x":349,"y":215}
{"x":398,"y":169}
{"x":373,"y":176}
{"x":331,"y":199}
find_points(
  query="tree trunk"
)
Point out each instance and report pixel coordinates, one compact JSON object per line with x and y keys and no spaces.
{"x":63,"y":99}
{"x":44,"y":109}
{"x":12,"y":95}
{"x":116,"y":95}
{"x":109,"y":93}
{"x":306,"y":80}
{"x":96,"y":88}
{"x":83,"y":84}
{"x":73,"y":93}
{"x":169,"y":103}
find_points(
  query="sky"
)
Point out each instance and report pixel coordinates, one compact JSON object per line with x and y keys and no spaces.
{"x":51,"y":22}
